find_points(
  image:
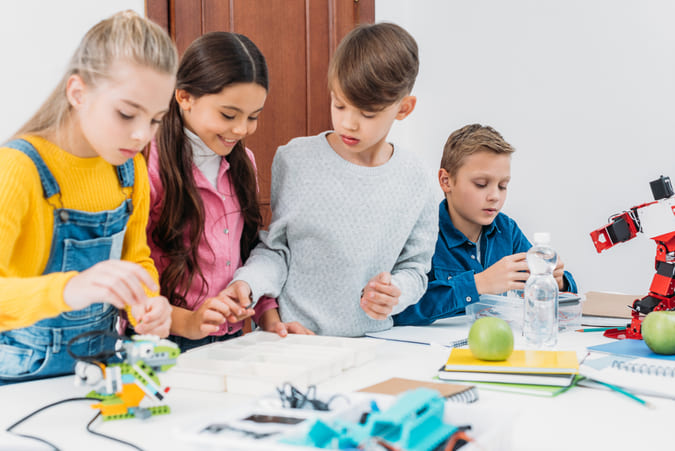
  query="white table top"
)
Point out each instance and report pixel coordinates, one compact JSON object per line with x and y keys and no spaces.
{"x":581,"y":418}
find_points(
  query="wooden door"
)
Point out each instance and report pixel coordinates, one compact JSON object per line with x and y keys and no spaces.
{"x":297,"y":37}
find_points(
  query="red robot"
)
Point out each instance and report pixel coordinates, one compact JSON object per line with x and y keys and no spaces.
{"x":656,"y":220}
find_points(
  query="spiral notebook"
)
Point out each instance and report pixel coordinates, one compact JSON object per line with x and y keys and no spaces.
{"x":637,"y":374}
{"x":452,"y":392}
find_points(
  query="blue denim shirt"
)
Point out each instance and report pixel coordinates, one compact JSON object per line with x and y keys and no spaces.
{"x":451,"y":280}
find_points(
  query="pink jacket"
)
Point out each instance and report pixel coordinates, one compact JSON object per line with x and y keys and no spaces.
{"x":219,"y":252}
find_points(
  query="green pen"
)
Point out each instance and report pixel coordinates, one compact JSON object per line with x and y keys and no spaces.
{"x":623,"y":392}
{"x":598,"y":329}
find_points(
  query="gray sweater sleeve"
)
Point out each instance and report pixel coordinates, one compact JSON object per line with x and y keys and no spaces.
{"x":266,"y":269}
{"x":410,"y":271}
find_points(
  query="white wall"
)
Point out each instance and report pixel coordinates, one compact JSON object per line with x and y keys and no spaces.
{"x":37,"y":38}
{"x":585,"y":91}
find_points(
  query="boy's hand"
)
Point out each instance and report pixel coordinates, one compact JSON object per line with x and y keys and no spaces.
{"x":559,"y":273}
{"x":509,"y":273}
{"x":271,"y":322}
{"x":153,"y":316}
{"x":380,"y":296}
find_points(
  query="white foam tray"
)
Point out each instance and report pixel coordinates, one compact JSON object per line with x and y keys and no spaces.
{"x":261,"y":361}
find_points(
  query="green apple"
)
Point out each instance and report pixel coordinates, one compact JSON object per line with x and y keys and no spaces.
{"x":491,"y":338}
{"x":658,"y":331}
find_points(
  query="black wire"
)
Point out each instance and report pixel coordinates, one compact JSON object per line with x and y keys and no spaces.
{"x":105,"y":355}
{"x":63,"y":401}
{"x":109,"y":437}
{"x":35,"y":412}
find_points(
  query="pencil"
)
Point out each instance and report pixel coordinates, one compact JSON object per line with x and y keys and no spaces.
{"x":623,"y":392}
{"x":597,"y":329}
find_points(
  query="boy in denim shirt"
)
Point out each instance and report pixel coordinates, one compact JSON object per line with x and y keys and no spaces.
{"x":479,"y":250}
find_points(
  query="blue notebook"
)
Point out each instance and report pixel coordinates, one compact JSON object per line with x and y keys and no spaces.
{"x":630,"y":348}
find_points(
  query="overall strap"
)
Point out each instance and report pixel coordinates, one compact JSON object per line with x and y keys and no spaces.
{"x":49,"y":185}
{"x":125,"y":173}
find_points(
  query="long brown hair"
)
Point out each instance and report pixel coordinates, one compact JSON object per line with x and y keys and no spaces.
{"x":212,"y":62}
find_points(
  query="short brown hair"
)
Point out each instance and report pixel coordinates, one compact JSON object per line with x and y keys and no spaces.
{"x":469,"y":140}
{"x":375,"y":65}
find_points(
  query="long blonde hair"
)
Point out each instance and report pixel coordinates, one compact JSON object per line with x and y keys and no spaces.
{"x":125,"y":36}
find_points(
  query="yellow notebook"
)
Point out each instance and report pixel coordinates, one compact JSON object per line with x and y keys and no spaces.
{"x":520,"y":361}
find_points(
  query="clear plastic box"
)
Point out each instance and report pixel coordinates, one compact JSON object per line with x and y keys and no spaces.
{"x":510,"y":308}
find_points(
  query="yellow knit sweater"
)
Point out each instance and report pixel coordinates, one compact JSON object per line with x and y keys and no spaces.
{"x":26,"y":224}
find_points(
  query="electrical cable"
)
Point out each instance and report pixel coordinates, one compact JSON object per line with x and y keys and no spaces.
{"x":63,"y":401}
{"x":35,"y":412}
{"x":109,"y":437}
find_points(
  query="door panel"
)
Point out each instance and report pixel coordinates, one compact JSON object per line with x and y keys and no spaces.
{"x":297,"y":38}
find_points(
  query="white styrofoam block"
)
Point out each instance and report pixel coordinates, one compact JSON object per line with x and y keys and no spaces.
{"x":261,"y":361}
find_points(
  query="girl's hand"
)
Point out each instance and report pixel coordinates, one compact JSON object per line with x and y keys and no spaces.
{"x":380,"y":296}
{"x":117,"y":282}
{"x":213,"y":312}
{"x":153,"y":316}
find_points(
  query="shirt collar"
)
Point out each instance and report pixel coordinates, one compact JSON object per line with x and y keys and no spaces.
{"x":453,"y":237}
{"x":202,"y":155}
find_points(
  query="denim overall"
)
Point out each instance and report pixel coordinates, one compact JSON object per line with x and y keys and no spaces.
{"x":80,"y":240}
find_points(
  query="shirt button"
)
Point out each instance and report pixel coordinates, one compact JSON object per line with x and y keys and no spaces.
{"x":449,"y":277}
{"x":468,"y":299}
{"x":227,"y":263}
{"x":226,"y":231}
{"x":473,"y":257}
{"x":229,"y":329}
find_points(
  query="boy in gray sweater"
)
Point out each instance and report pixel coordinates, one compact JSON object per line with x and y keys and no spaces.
{"x":354,"y":218}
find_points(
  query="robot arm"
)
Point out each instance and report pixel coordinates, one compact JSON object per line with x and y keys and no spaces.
{"x":622,"y":227}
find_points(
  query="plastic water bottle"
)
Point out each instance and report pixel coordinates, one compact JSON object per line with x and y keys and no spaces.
{"x":540,"y":323}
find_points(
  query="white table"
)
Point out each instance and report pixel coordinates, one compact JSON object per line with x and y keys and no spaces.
{"x":581,"y":418}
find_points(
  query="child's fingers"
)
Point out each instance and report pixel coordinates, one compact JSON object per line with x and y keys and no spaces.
{"x":295,"y":327}
{"x":243,"y":294}
{"x":280,"y":329}
{"x":375,"y":311}
{"x":134,"y":275}
{"x":245,"y":313}
{"x":213,"y":317}
{"x":208,"y":329}
{"x":389,"y":290}
{"x":225,"y":306}
{"x":521,"y":256}
{"x":384,"y":278}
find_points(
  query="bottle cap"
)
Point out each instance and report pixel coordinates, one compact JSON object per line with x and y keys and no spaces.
{"x":542,"y":237}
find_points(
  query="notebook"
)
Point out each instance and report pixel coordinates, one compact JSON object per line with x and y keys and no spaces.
{"x":639,"y":375}
{"x":449,"y":332}
{"x":520,"y":361}
{"x":452,"y":392}
{"x":631,"y":348}
{"x":523,"y":389}
{"x":551,"y":379}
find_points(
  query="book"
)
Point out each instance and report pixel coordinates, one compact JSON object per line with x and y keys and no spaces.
{"x":613,"y":305}
{"x":631,"y":348}
{"x":637,"y":374}
{"x":452,"y":392}
{"x":551,"y":379}
{"x":520,"y":361}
